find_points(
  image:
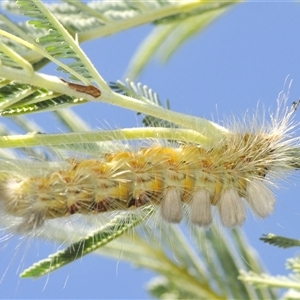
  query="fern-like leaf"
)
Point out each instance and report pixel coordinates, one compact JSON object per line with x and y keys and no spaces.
{"x":17,"y":98}
{"x":58,"y":43}
{"x":145,"y":94}
{"x":280,"y":241}
{"x":114,"y":229}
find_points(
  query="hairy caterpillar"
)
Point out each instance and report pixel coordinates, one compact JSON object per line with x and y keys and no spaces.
{"x":231,"y":175}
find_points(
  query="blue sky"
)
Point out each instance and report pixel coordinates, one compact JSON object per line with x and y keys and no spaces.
{"x":241,"y":59}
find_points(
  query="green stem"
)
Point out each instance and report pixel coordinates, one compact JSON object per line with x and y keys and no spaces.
{"x":33,"y":139}
{"x":269,"y":281}
{"x":72,"y":43}
{"x":17,"y":58}
{"x":53,"y":83}
{"x":143,"y":18}
{"x":201,"y":125}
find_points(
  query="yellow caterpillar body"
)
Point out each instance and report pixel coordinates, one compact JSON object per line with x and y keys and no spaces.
{"x":230,"y":176}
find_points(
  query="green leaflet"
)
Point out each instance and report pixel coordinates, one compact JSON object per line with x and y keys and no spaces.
{"x":8,"y":61}
{"x":58,"y":43}
{"x":17,"y":99}
{"x":266,"y":280}
{"x":50,"y":104}
{"x":145,"y":94}
{"x":280,"y":241}
{"x":114,"y":229}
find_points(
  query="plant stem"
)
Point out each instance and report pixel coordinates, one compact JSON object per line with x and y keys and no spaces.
{"x":143,"y":18}
{"x":34,"y":139}
{"x":53,"y":83}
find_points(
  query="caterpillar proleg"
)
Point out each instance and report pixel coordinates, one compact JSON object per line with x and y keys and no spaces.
{"x":234,"y":174}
